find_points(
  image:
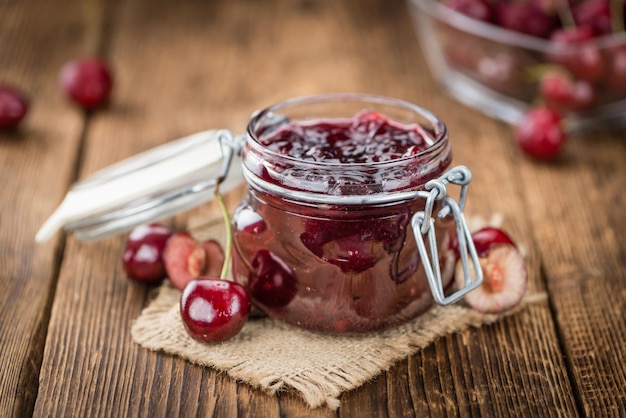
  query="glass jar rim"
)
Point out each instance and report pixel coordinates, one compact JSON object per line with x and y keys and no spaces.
{"x":440,"y":130}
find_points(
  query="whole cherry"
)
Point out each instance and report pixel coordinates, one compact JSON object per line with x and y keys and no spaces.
{"x":540,"y":133}
{"x":575,"y":49}
{"x":562,"y":93}
{"x":271,"y":281}
{"x":87,"y":82}
{"x":143,"y":256}
{"x":525,"y":18}
{"x":13,"y":107}
{"x":594,"y":13}
{"x":214,"y":310}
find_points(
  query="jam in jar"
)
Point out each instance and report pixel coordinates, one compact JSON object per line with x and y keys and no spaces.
{"x":323,"y":238}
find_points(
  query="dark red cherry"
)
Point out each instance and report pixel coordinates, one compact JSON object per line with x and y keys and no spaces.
{"x":484,"y":239}
{"x":540,"y":133}
{"x":214,"y":310}
{"x":13,"y":107}
{"x":143,"y":256}
{"x":525,"y":18}
{"x":271,"y":281}
{"x":87,"y":82}
{"x":595,"y":14}
{"x":575,"y":49}
{"x":489,"y":236}
{"x":562,"y":93}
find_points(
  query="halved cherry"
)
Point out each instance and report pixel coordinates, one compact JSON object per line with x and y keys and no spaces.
{"x":186,"y":258}
{"x":505,"y":279}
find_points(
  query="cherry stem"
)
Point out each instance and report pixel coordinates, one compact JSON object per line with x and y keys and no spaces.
{"x":229,"y":233}
{"x":565,"y":14}
{"x":93,"y":12}
{"x":617,"y":11}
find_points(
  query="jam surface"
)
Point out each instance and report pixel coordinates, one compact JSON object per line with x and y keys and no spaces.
{"x":369,"y":137}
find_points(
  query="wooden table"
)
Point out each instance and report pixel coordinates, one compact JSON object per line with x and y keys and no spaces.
{"x":181,"y":67}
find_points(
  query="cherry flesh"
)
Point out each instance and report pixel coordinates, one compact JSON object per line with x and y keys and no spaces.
{"x":214,"y":310}
{"x":540,"y":133}
{"x":505,"y":278}
{"x":87,"y":82}
{"x":186,"y":258}
{"x":143,"y":256}
{"x":13,"y":107}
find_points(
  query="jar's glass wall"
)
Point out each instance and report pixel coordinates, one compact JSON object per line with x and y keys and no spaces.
{"x":329,"y":266}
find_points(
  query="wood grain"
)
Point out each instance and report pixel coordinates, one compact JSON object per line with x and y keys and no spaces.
{"x":579,"y":225}
{"x":182,"y":67}
{"x":37,"y":163}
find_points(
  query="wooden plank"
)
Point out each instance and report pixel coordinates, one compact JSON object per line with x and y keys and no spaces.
{"x":37,"y":162}
{"x":577,"y":211}
{"x":481,"y":372}
{"x":186,"y":67}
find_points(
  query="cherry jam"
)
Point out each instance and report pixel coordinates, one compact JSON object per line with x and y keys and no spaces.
{"x":323,"y":239}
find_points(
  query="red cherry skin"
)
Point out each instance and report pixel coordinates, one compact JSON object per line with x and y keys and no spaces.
{"x":87,"y":82}
{"x":562,"y":93}
{"x":525,"y":18}
{"x":489,"y":236}
{"x":143,"y":256}
{"x":594,"y":13}
{"x":540,"y":133}
{"x":13,"y":107}
{"x":484,"y":239}
{"x":574,"y":48}
{"x":214,"y":310}
{"x":271,"y":282}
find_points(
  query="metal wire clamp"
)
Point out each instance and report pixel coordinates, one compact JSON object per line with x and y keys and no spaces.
{"x":423,"y":225}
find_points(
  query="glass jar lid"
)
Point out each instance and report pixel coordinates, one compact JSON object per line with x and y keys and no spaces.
{"x":149,"y":186}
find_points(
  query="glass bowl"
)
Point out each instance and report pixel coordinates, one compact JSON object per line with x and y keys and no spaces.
{"x":498,"y":71}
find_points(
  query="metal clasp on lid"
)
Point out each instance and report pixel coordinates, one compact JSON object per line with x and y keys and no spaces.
{"x":423,"y":225}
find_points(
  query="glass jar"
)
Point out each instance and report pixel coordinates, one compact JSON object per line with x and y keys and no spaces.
{"x":329,"y":246}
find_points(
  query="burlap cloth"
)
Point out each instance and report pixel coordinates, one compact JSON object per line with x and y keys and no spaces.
{"x":273,"y":356}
